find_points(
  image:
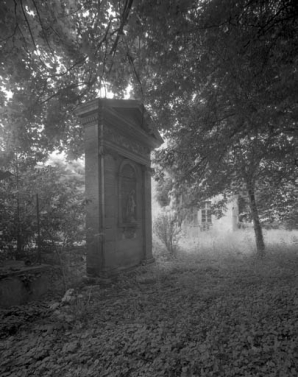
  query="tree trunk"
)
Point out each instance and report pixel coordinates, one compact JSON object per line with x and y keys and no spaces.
{"x":257,"y":225}
{"x":19,"y":233}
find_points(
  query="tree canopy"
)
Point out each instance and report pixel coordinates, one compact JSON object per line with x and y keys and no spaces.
{"x":220,"y":77}
{"x":55,"y":54}
{"x":236,"y":60}
{"x":225,"y":89}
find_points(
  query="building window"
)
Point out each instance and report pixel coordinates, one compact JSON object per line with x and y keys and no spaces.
{"x":206,"y":215}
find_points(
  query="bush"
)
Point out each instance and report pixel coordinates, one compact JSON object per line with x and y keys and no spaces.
{"x":166,"y":228}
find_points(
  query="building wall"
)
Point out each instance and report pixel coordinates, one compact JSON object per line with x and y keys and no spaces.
{"x":229,"y":222}
{"x":193,"y":224}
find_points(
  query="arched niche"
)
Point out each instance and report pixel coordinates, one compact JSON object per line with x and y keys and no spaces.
{"x":128,"y":200}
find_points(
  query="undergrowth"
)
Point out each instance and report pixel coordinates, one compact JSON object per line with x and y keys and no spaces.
{"x":212,"y":310}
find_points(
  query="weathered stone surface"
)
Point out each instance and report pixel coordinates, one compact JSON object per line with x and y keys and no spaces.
{"x":119,"y":136}
{"x":20,"y":284}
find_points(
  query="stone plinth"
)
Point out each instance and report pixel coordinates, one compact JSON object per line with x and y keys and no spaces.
{"x":119,"y":136}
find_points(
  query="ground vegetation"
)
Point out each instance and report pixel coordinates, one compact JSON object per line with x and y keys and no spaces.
{"x":213,"y":310}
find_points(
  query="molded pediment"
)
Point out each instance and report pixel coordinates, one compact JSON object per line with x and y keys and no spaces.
{"x":129,"y":116}
{"x":135,"y":114}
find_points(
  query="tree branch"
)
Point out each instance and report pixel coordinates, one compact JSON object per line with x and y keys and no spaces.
{"x":41,"y":24}
{"x":28,"y":25}
{"x":125,"y":14}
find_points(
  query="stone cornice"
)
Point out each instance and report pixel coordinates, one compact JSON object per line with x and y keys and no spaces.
{"x":108,"y":147}
{"x":115,"y":121}
{"x":88,"y":107}
{"x":146,"y":134}
{"x":89,"y":119}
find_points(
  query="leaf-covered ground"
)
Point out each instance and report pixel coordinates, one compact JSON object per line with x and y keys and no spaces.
{"x":197,"y":315}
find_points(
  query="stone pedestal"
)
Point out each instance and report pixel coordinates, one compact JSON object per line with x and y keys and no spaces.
{"x":119,"y":136}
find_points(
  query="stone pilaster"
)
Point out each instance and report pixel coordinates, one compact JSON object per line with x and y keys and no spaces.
{"x":147,"y":214}
{"x":92,"y":122}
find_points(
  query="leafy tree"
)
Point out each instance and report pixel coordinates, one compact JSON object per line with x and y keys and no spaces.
{"x":220,"y":76}
{"x":280,"y":206}
{"x":163,"y":188}
{"x":58,"y":191}
{"x":225,"y":90}
{"x":55,"y":54}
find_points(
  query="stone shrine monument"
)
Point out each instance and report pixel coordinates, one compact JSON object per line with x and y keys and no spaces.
{"x":119,"y":136}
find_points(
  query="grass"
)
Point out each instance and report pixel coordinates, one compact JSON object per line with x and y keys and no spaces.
{"x":213,"y":310}
{"x":239,"y":242}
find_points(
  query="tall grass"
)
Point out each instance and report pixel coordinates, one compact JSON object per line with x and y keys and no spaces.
{"x":241,"y":242}
{"x":234,"y":252}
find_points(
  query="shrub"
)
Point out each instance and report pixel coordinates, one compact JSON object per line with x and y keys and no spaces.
{"x":166,"y":228}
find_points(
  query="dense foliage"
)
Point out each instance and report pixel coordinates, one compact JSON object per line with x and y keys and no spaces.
{"x":163,"y":189}
{"x":54,"y":54}
{"x":219,"y":76}
{"x":41,"y":204}
{"x":225,"y":89}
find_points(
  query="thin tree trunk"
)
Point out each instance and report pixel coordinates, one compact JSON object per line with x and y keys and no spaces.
{"x":38,"y":230}
{"x":257,"y":225}
{"x":19,"y":234}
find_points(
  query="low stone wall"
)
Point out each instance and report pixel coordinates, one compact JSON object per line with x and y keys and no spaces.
{"x":20,"y":284}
